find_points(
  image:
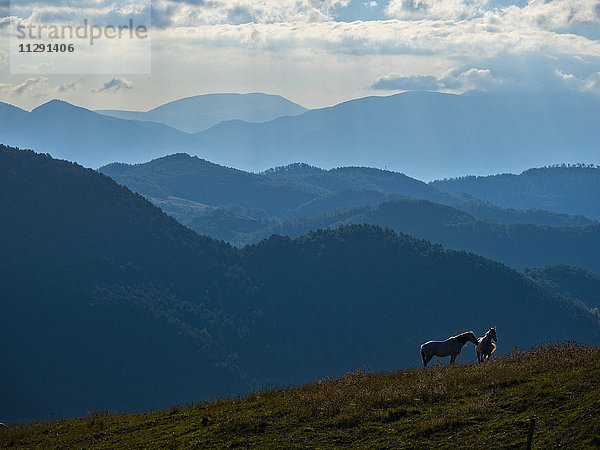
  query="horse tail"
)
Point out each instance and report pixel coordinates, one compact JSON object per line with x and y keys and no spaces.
{"x":493,"y":348}
{"x":423,"y":356}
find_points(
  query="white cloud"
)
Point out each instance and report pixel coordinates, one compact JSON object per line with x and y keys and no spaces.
{"x":564,"y":76}
{"x":555,"y":14}
{"x":96,"y":14}
{"x":463,"y":38}
{"x":68,"y":87}
{"x":591,"y":83}
{"x":393,"y":82}
{"x":38,"y":85}
{"x":3,"y":57}
{"x":455,"y":80}
{"x":116,"y":84}
{"x":470,"y":80}
{"x":440,"y":9}
{"x":552,"y":14}
{"x":186,"y":13}
{"x":440,"y":24}
{"x":5,"y":21}
{"x":288,"y":25}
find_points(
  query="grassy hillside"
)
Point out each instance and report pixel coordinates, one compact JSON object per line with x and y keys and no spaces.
{"x":483,"y":406}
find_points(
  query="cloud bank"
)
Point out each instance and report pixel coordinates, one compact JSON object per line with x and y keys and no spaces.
{"x":455,"y":80}
{"x":350,"y":47}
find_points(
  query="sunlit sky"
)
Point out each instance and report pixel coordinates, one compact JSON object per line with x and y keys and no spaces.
{"x":319,"y":53}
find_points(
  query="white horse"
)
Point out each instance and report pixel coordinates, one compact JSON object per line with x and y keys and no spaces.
{"x":450,"y":347}
{"x":485,"y":346}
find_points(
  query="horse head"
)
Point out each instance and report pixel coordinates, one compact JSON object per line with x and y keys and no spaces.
{"x":493,"y":333}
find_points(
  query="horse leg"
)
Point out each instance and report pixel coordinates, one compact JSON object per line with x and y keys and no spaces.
{"x":478,"y":357}
{"x":452,"y":359}
{"x":427,"y":359}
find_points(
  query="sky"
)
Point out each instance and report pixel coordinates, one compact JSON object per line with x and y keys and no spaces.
{"x":314,"y":52}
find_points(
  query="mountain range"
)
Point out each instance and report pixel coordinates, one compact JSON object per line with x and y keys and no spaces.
{"x":198,"y":113}
{"x":78,"y":134}
{"x":108,"y":303}
{"x":517,"y":245}
{"x":561,"y":188}
{"x":424,"y":134}
{"x":244,"y":208}
{"x":298,"y":190}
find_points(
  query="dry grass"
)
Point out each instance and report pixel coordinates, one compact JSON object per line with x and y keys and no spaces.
{"x":363,"y":393}
{"x":481,"y":404}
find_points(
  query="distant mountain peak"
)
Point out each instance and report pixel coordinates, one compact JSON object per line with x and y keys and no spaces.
{"x":57,"y":105}
{"x":181,"y":155}
{"x":230,"y":95}
{"x":183,"y":158}
{"x":296,"y":168}
{"x":200,"y":112}
{"x":176,"y":157}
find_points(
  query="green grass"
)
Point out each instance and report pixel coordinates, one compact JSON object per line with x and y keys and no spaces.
{"x":487,"y":405}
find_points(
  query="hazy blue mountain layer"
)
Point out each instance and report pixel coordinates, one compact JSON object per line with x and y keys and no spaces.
{"x":296,"y":191}
{"x":198,"y":113}
{"x":244,"y":208}
{"x":517,"y":245}
{"x":570,"y":281}
{"x":423,"y":134}
{"x":570,"y":190}
{"x":88,"y":138}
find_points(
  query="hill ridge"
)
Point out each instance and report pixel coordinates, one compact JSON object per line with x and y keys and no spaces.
{"x":489,"y":405}
{"x":564,"y":189}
